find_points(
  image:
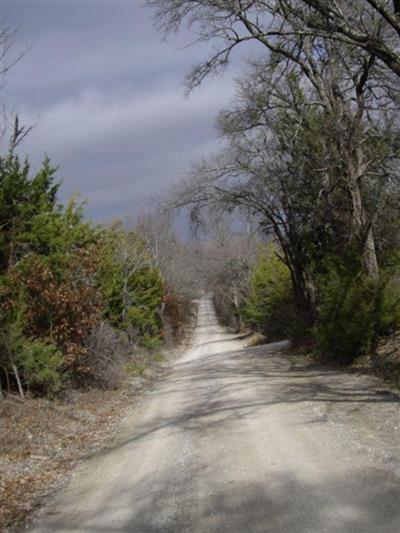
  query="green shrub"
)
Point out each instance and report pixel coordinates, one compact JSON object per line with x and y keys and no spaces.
{"x":41,"y":362}
{"x":133,"y":368}
{"x":150,"y":342}
{"x":269,"y":308}
{"x":353,"y":311}
{"x":132,"y":291}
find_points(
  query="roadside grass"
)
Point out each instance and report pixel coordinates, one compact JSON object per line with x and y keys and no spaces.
{"x":133,"y":368}
{"x":255,"y":339}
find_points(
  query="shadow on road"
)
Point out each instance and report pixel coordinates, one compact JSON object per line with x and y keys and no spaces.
{"x":256,"y":379}
{"x":211,"y":394}
{"x":250,"y":508}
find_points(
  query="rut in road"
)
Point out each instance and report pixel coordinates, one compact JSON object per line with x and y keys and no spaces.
{"x":241,"y":440}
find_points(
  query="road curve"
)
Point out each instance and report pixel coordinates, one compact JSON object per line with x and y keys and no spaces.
{"x":237,"y":440}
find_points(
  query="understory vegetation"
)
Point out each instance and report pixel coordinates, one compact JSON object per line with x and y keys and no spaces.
{"x":76,"y":299}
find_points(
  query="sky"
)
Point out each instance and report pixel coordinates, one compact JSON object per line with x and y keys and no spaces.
{"x":106,"y":97}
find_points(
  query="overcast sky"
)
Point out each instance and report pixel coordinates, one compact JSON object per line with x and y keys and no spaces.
{"x":106,"y":95}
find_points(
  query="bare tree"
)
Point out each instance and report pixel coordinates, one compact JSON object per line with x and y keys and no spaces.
{"x":370,"y":25}
{"x":123,"y":246}
{"x":373,"y":26}
{"x":300,"y":169}
{"x":8,"y":120}
{"x":229,"y":256}
{"x":349,"y":85}
{"x":169,"y":253}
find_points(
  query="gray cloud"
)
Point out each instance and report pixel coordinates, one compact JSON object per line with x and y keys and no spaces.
{"x":107,"y":97}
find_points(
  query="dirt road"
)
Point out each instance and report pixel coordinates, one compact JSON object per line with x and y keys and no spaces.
{"x":243,"y":440}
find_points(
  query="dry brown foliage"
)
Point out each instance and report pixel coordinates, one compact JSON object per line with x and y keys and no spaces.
{"x":64,"y":307}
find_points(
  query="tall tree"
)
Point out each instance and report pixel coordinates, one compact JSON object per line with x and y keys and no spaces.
{"x":371,"y":26}
{"x":22,"y":198}
{"x":352,"y":89}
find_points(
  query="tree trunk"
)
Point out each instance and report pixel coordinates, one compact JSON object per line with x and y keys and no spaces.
{"x":236,"y":303}
{"x":16,"y":374}
{"x":369,"y":259}
{"x":363,"y":232}
{"x":301,"y":294}
{"x":302,"y":297}
{"x":125,"y":298}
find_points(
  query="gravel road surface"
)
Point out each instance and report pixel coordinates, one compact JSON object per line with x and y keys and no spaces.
{"x":243,"y":440}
